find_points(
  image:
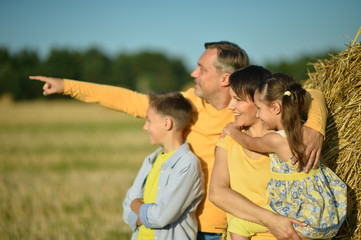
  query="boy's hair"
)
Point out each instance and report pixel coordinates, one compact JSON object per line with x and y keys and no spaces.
{"x":230,"y":56}
{"x":284,"y":87}
{"x":174,"y":105}
{"x":244,"y":82}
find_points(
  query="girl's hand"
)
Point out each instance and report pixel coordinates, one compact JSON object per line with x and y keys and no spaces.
{"x":229,"y":128}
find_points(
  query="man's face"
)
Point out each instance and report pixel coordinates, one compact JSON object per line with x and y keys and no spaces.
{"x":207,"y":78}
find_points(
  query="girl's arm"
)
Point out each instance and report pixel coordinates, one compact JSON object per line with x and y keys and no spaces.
{"x":239,"y":206}
{"x":270,"y":142}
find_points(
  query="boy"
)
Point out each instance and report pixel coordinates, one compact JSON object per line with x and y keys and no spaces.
{"x":162,"y":202}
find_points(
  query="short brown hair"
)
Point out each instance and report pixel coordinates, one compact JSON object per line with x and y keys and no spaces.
{"x":230,"y":56}
{"x":172,"y":104}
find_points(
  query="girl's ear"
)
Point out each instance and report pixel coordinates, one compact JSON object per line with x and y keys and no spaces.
{"x":276,"y":107}
{"x":168,"y":123}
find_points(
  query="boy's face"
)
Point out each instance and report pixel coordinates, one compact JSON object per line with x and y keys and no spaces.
{"x":155,"y":126}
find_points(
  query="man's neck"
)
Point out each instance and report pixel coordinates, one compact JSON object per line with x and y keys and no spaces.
{"x":220,"y":102}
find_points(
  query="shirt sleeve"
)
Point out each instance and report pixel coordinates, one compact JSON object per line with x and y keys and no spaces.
{"x":129,"y":216}
{"x":317,"y":111}
{"x":117,"y":98}
{"x":224,"y":142}
{"x":135,"y":191}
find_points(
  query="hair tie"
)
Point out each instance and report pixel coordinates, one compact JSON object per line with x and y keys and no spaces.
{"x":287,"y":93}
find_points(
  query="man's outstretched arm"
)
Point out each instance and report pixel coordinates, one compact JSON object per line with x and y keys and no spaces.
{"x":117,"y":98}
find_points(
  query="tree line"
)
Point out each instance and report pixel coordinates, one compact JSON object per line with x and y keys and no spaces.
{"x":142,"y":71}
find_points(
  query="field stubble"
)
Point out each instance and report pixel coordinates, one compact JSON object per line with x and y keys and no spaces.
{"x":65,"y":167}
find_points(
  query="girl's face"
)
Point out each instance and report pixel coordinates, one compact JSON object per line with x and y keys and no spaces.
{"x":244,"y":110}
{"x":264,"y":111}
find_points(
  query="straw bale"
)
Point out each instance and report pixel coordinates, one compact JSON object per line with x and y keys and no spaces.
{"x":339,"y":78}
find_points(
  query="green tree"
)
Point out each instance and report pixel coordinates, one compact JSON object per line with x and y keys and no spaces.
{"x":14,"y":72}
{"x":94,"y":66}
{"x":62,"y":63}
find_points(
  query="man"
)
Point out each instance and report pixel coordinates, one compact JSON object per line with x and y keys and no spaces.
{"x":210,"y":98}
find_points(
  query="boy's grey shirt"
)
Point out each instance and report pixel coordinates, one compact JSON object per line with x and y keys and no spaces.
{"x":180,"y":190}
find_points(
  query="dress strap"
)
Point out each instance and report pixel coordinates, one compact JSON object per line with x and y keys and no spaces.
{"x":294,"y":175}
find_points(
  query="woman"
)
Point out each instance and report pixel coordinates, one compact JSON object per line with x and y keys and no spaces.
{"x":239,"y":177}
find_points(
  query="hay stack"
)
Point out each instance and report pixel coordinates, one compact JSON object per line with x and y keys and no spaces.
{"x":340,"y":80}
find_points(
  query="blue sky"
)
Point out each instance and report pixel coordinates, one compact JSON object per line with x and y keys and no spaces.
{"x":267,"y":30}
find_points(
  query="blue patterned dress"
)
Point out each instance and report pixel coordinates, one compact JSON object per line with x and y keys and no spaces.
{"x":318,"y":198}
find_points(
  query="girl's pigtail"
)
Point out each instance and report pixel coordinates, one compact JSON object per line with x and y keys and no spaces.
{"x":292,"y":119}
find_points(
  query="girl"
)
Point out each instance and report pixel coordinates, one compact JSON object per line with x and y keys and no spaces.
{"x":317,"y":198}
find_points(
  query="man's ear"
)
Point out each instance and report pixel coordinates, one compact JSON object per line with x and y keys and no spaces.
{"x":168,"y":123}
{"x":276,"y":107}
{"x":225,"y":79}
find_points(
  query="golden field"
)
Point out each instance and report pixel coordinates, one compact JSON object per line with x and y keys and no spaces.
{"x":65,"y":167}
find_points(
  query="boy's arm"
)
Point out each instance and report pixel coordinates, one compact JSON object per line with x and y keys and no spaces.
{"x":185,"y":187}
{"x":122,"y":99}
{"x":135,"y":192}
{"x":129,"y":215}
{"x":135,"y":207}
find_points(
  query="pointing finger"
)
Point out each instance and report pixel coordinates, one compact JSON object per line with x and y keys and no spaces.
{"x":40,"y":78}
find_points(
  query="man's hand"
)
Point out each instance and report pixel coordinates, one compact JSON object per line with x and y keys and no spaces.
{"x":51,"y":86}
{"x":313,"y":141}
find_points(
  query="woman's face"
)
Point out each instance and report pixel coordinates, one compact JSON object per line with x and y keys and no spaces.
{"x":244,"y":109}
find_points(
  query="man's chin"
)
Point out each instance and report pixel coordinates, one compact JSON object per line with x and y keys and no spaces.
{"x":197,"y":92}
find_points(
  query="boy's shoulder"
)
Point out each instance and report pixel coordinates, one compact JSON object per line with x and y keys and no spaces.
{"x":185,"y":154}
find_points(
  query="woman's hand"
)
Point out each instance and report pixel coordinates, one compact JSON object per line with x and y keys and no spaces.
{"x":282,"y":227}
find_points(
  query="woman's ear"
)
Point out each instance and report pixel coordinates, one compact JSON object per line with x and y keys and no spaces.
{"x":276,"y":107}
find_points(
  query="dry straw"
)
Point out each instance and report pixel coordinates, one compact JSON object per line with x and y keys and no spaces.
{"x":339,"y":78}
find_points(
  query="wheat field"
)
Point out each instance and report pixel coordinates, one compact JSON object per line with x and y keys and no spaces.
{"x":65,"y":167}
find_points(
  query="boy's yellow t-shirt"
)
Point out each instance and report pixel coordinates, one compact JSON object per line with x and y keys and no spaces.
{"x":150,"y":192}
